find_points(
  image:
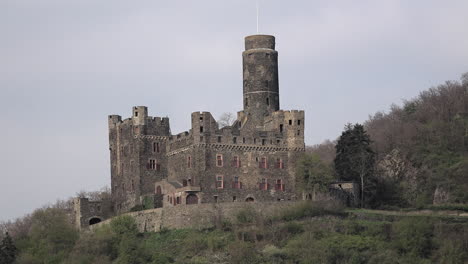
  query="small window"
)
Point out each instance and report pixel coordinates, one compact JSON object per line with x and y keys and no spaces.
{"x":215,"y":198}
{"x":184,"y":183}
{"x":178,"y":200}
{"x":243,"y":140}
{"x":151,"y":164}
{"x":246,"y":101}
{"x":263,"y":142}
{"x":255,"y":141}
{"x":156,"y":147}
{"x":219,"y":139}
{"x":263,"y":163}
{"x":189,"y":162}
{"x":290,"y":122}
{"x":201,"y":118}
{"x":279,"y":186}
{"x":268,"y":100}
{"x":299,"y":122}
{"x":279,"y":164}
{"x":234,"y":140}
{"x":236,"y":162}
{"x":220,"y":182}
{"x":281,"y":128}
{"x":298,"y":132}
{"x":278,"y":141}
{"x":263,"y":184}
{"x":236,"y":184}
{"x":136,"y":113}
{"x":201,"y":129}
{"x":219,"y":160}
{"x":234,"y":198}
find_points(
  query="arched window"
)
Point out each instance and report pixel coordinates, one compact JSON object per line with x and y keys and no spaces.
{"x":158,"y":190}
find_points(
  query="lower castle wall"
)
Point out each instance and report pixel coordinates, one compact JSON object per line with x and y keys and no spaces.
{"x":198,"y":216}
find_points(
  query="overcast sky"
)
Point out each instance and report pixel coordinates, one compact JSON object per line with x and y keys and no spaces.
{"x":67,"y":64}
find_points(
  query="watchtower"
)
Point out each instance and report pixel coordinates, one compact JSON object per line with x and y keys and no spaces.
{"x":260,"y":75}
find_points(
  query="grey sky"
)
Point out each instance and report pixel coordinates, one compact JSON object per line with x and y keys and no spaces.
{"x":67,"y":64}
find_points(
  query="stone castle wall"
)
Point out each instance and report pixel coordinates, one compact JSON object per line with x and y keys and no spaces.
{"x":199,"y":216}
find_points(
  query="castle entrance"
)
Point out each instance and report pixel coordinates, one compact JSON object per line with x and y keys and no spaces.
{"x":94,"y":221}
{"x":191,"y":199}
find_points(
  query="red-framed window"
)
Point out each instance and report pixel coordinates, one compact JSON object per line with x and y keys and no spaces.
{"x":236,"y":184}
{"x":279,"y":164}
{"x":236,"y":163}
{"x":189,"y":162}
{"x":220,"y":182}
{"x":263,"y":164}
{"x":279,"y":186}
{"x":219,"y":160}
{"x":263,"y":185}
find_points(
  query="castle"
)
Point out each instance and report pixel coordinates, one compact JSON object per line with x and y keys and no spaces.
{"x":253,"y":160}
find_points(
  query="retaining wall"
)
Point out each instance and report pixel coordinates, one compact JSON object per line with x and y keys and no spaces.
{"x":198,"y":216}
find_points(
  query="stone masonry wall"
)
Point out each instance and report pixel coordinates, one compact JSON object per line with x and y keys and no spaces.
{"x":198,"y":216}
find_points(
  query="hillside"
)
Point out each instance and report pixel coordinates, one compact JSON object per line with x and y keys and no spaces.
{"x":305,"y":233}
{"x":421,"y":149}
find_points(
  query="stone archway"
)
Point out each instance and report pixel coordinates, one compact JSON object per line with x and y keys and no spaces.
{"x":191,"y":199}
{"x":94,"y":220}
{"x":158,"y":189}
{"x":250,"y":199}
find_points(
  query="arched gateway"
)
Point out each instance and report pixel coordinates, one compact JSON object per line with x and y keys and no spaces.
{"x":191,"y":199}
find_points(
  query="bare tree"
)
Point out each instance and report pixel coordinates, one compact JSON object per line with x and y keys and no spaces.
{"x":226,"y":119}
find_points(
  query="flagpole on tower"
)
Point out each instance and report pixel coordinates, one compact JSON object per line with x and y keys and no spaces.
{"x":257,"y":16}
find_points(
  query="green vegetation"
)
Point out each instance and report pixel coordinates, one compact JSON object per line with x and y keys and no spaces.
{"x":304,"y":233}
{"x":422,"y":148}
{"x":8,"y":250}
{"x":313,"y":174}
{"x":355,"y":160}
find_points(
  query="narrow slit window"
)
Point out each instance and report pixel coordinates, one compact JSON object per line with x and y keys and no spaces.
{"x":219,"y":139}
{"x":268,"y":101}
{"x":281,"y":128}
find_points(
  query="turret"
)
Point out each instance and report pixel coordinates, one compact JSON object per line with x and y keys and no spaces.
{"x":260,"y":71}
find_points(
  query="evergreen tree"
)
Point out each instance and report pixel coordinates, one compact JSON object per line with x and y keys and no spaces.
{"x":355,"y":159}
{"x":7,"y":250}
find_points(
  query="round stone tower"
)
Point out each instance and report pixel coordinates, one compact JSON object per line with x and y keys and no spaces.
{"x":260,"y":70}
